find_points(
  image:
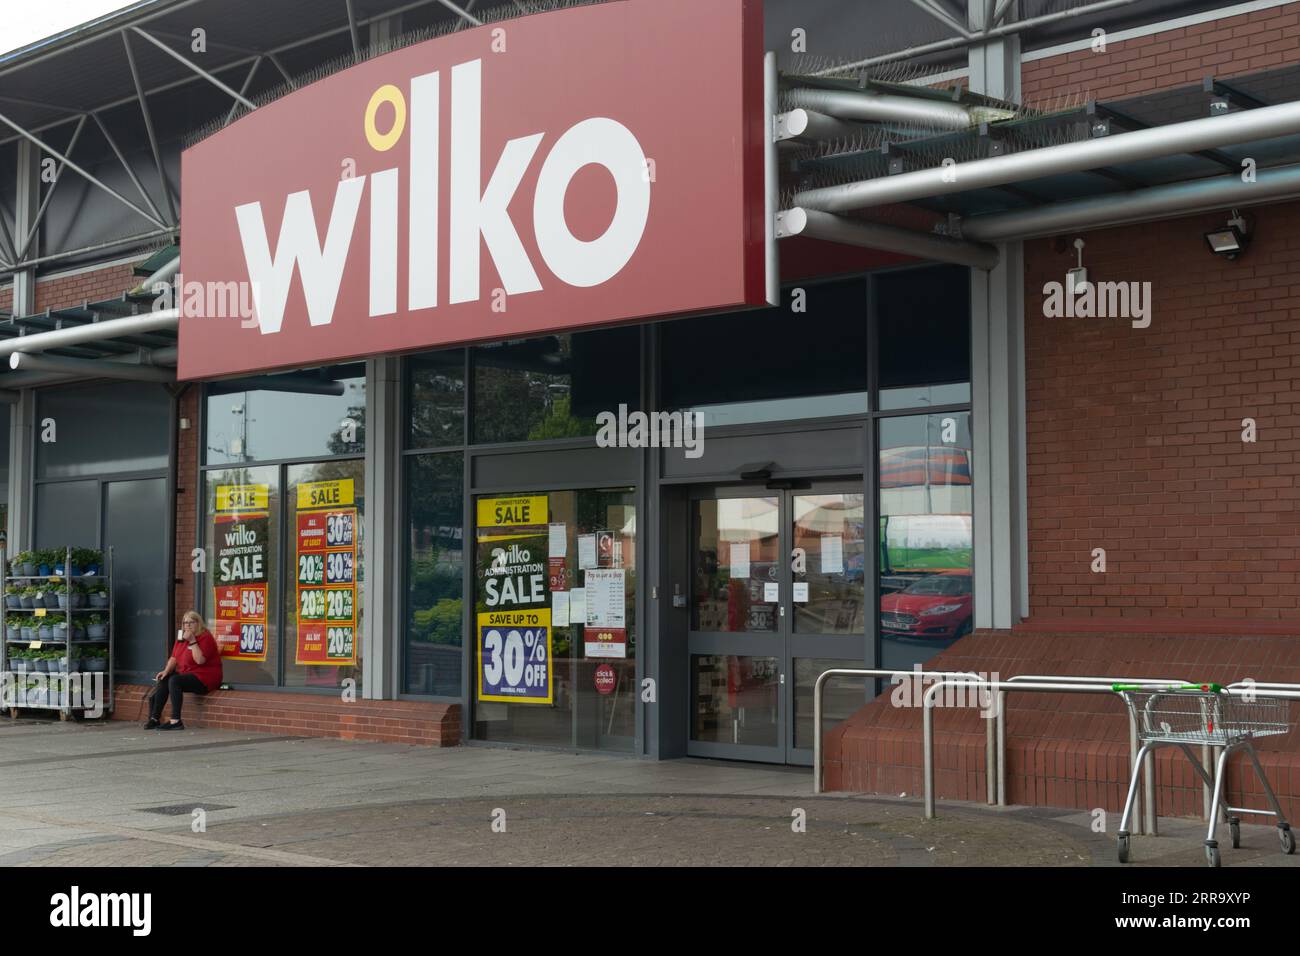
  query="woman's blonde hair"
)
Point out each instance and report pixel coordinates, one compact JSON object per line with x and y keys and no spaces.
{"x":194,"y":616}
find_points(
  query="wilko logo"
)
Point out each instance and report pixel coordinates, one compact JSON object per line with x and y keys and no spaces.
{"x":448,"y":192}
{"x":479,"y":215}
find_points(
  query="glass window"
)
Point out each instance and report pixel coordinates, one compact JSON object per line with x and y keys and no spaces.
{"x":242,"y":539}
{"x":557,"y":567}
{"x":735,"y":699}
{"x":926,"y":600}
{"x":829,"y":560}
{"x":841,"y":696}
{"x":806,"y":358}
{"x":923,"y":317}
{"x":436,"y":399}
{"x":434,"y":573}
{"x":554,"y":386}
{"x":102,"y":429}
{"x":325,"y":507}
{"x":263,"y":425}
{"x":737,"y":552}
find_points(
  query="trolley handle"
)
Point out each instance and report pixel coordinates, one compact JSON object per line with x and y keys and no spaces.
{"x":1170,"y":688}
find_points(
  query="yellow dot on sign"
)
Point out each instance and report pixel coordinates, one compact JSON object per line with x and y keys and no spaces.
{"x":385,"y":94}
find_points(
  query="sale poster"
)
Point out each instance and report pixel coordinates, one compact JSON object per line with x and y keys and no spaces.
{"x":514,"y":656}
{"x":239,"y":580}
{"x":326,"y":537}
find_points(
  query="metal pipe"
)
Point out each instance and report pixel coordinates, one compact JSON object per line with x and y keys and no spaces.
{"x":1188,"y":137}
{"x":870,"y":235}
{"x":231,"y":91}
{"x":771,"y":181}
{"x":957,"y":42}
{"x":809,"y":124}
{"x":77,"y":169}
{"x":252,"y":72}
{"x":96,"y":247}
{"x":148,"y":126}
{"x":164,"y":320}
{"x":858,"y":672}
{"x":89,"y":368}
{"x":1142,"y":205}
{"x":869,"y":106}
{"x":49,"y":193}
{"x":163,"y":276}
{"x":463,"y":14}
{"x":126,"y":166}
{"x":943,"y":16}
{"x":352,"y":28}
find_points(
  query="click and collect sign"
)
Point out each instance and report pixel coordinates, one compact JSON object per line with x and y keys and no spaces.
{"x":539,"y":175}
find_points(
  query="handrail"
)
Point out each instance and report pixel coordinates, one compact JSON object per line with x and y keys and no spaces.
{"x":863,"y":672}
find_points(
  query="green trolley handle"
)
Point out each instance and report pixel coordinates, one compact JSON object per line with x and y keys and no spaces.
{"x":1170,"y":688}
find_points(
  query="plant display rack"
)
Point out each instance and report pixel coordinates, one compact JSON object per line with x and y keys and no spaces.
{"x":74,"y":617}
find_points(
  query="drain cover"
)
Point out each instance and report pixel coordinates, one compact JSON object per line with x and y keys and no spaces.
{"x":184,"y":809}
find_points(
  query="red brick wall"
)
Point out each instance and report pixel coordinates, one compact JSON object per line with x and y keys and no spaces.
{"x":188,"y":500}
{"x":1135,"y":435}
{"x":60,"y":292}
{"x":1247,"y":43}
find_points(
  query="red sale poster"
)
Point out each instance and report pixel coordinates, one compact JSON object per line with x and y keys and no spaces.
{"x":327,"y":554}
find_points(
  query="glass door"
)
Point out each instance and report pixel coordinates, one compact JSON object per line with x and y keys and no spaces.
{"x":776,"y":598}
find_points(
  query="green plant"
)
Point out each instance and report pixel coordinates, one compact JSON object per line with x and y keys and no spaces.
{"x":59,"y":588}
{"x":49,"y":556}
{"x":31,"y":590}
{"x":85,"y":557}
{"x":14,"y":589}
{"x":96,"y":619}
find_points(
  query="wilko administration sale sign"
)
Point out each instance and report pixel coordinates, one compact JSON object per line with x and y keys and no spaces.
{"x":327,"y":574}
{"x":241,"y":534}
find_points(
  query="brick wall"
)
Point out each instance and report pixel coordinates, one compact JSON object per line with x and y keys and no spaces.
{"x":1135,"y":435}
{"x":60,"y":292}
{"x":189,"y":495}
{"x":1247,"y":43}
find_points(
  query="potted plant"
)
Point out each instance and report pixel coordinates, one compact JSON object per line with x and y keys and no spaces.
{"x":27,"y":596}
{"x":97,"y":594}
{"x":96,"y":626}
{"x":14,"y":632}
{"x":24,"y":564}
{"x":25,"y":633}
{"x":13,"y":595}
{"x":94,"y":660}
{"x":78,"y":632}
{"x":87,"y":560}
{"x":46,"y":596}
{"x":18,"y":662}
{"x":44,"y":632}
{"x":45,"y":559}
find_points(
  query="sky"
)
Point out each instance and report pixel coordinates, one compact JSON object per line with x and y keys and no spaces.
{"x":25,"y":23}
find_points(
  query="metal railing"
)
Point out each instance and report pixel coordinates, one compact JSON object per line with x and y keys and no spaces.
{"x":995,"y":723}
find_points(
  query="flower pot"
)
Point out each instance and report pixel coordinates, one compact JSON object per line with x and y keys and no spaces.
{"x":95,"y":665}
{"x":26,"y":600}
{"x":13,"y":600}
{"x":96,"y":631}
{"x":51,"y":599}
{"x":63,"y":601}
{"x":27,"y":569}
{"x":25,"y":634}
{"x":78,"y":599}
{"x":98,"y":600}
{"x":19,"y":665}
{"x":74,"y":667}
{"x":45,"y":633}
{"x":78,"y":632}
{"x":14,"y":632}
{"x":43,"y":570}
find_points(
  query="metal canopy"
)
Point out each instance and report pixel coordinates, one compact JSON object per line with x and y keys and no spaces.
{"x":875,"y":153}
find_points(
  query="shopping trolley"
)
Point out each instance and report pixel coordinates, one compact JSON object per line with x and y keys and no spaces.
{"x":1184,"y":714}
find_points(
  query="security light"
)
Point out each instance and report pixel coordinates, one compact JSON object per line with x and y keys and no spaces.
{"x":1229,"y":241}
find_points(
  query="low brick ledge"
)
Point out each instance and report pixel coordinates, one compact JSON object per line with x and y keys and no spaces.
{"x":309,"y":715}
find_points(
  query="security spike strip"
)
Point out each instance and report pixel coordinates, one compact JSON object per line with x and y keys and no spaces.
{"x":495,"y":14}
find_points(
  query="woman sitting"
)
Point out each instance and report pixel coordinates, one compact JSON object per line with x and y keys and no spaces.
{"x":195,"y":666}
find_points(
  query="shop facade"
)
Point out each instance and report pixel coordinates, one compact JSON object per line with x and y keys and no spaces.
{"x":639,"y":511}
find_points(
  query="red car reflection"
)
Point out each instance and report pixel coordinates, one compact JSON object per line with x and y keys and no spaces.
{"x":935,"y":608}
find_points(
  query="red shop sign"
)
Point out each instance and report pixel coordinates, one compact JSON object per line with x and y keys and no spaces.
{"x":551,"y":172}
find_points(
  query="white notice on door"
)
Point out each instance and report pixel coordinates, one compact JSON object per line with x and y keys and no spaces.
{"x":739,"y":559}
{"x":771,"y":592}
{"x":586,"y":551}
{"x":577,"y":606}
{"x":559,"y":542}
{"x":801,"y":592}
{"x":832,"y":554}
{"x":606,"y":599}
{"x":560,"y":608}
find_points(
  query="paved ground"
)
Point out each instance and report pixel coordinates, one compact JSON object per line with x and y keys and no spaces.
{"x":93,"y":794}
